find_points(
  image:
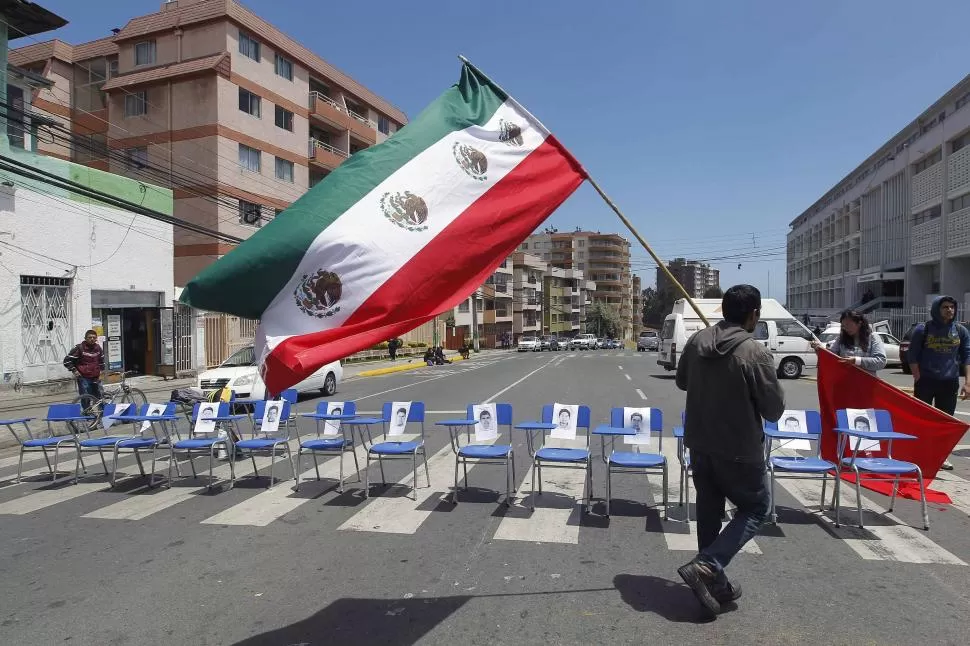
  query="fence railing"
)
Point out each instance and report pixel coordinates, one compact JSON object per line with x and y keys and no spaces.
{"x":318,"y":96}
{"x":316,"y":143}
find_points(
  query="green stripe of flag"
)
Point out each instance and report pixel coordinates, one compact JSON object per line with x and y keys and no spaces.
{"x":246,"y":280}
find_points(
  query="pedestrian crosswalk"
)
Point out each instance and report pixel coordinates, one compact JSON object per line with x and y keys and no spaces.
{"x":558,"y":517}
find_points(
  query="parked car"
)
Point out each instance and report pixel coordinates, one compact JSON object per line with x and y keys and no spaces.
{"x":529,"y":344}
{"x":583,"y":342}
{"x":648,"y":341}
{"x":550,"y":343}
{"x":241,"y":374}
{"x":894,"y":348}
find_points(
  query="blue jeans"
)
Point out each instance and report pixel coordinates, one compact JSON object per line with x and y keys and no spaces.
{"x":87,"y":386}
{"x":743,"y":483}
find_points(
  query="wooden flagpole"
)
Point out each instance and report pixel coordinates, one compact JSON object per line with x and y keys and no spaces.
{"x":619,"y":213}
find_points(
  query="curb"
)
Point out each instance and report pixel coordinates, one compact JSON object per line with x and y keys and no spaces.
{"x":402,"y":368}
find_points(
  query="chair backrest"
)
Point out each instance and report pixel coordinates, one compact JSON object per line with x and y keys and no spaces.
{"x":503,"y":417}
{"x":583,"y":421}
{"x":415,"y":415}
{"x":875,"y":420}
{"x":655,"y":424}
{"x":334,"y":408}
{"x":791,"y":422}
{"x":292,"y":396}
{"x":222,"y":410}
{"x":61,"y":412}
{"x":259,"y":410}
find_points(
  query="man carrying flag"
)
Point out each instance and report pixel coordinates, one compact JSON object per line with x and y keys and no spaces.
{"x":398,"y":234}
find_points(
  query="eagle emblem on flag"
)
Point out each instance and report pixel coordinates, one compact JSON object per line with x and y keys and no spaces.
{"x":509,"y":133}
{"x":472,"y":161}
{"x":318,"y":294}
{"x":405,"y":209}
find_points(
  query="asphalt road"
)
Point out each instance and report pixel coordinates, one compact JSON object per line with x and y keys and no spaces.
{"x":87,"y":565}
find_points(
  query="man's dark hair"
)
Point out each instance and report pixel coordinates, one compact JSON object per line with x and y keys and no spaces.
{"x":738,"y":303}
{"x":402,"y":410}
{"x":90,"y":332}
{"x":791,"y":419}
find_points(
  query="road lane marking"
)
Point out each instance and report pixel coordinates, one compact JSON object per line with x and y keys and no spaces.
{"x":642,"y":396}
{"x":558,"y":509}
{"x":628,"y":377}
{"x":399,"y":514}
{"x":513,"y":385}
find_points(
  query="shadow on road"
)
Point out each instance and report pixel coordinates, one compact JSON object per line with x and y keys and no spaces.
{"x":671,"y":600}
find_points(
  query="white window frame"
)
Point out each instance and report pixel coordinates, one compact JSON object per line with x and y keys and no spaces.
{"x":249,"y":46}
{"x":383,"y":124}
{"x":246,"y":155}
{"x":258,"y":113}
{"x":136,"y":104}
{"x":288,"y":170}
{"x":284,"y":64}
{"x":151,"y":53}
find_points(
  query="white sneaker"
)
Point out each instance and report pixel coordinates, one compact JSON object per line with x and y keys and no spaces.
{"x":947,"y":465}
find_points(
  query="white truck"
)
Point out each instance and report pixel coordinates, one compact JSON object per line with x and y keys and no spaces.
{"x":583,"y":342}
{"x":786,"y":338}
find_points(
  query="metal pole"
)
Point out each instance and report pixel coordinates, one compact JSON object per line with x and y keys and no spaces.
{"x":475,"y":323}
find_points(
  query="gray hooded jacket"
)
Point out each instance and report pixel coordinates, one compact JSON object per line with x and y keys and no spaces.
{"x":732,"y":385}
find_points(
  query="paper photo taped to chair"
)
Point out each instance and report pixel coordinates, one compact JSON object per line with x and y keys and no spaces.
{"x":399,"y":418}
{"x":864,"y":420}
{"x":270,"y":424}
{"x":565,"y":417}
{"x":120,"y":409}
{"x":637,"y":419}
{"x":153,"y":410}
{"x":204,"y":422}
{"x":332,"y":426}
{"x":793,"y":421}
{"x":486,"y":429}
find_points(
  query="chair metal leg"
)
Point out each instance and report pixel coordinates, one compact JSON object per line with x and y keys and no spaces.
{"x":47,"y":460}
{"x":825,"y":477}
{"x":340,"y":487}
{"x":509,"y":464}
{"x":252,"y":456}
{"x":188,"y":454}
{"x":666,"y":502}
{"x":892,"y":499}
{"x":465,"y":466}
{"x":514,"y":479}
{"x":454,"y":494}
{"x":532,"y":497}
{"x":367,"y":477}
{"x":272,"y":465}
{"x":20,"y":465}
{"x":171,"y":459}
{"x":414,"y":469}
{"x":103,"y":462}
{"x":114,"y":468}
{"x":539,"y":469}
{"x":141,"y":467}
{"x":858,"y":496}
{"x":922,"y":499}
{"x":427,"y":471}
{"x":609,"y":488}
{"x":837,"y":498}
{"x":289,"y":458}
{"x":299,"y":468}
{"x":212,"y":453}
{"x":380,"y":461}
{"x":232,"y":465}
{"x":774,"y":511}
{"x":151,"y":478}
{"x":316,"y":464}
{"x":356,"y":462}
{"x":589,"y":486}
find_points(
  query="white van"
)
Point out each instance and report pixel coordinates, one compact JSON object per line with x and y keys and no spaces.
{"x":786,"y":338}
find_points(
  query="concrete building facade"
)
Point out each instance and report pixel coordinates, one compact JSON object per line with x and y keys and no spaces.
{"x":696,"y":277}
{"x":208,"y":98}
{"x":604,"y":259}
{"x":895,"y":232}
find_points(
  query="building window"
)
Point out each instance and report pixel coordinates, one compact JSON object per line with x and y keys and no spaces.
{"x":284,"y":67}
{"x":463,"y":307}
{"x":249,"y":102}
{"x":582,"y":243}
{"x":960,"y":142}
{"x":963,"y":100}
{"x":136,"y":158}
{"x":89,"y":76}
{"x":17,"y":123}
{"x":249,"y":158}
{"x":112,"y":68}
{"x":959,"y":203}
{"x":925,"y":216}
{"x":248,"y":46}
{"x":250,"y":214}
{"x":284,"y":119}
{"x":384,"y":124}
{"x":284,"y":170}
{"x":136,"y":104}
{"x":89,"y":148}
{"x":930,"y":160}
{"x":145,"y":53}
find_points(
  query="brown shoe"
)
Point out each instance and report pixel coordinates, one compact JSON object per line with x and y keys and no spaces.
{"x":700,"y":577}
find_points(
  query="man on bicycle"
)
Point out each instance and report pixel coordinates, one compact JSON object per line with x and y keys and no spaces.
{"x":86,"y":363}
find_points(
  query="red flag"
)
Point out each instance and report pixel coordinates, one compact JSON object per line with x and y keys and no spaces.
{"x":845,"y":386}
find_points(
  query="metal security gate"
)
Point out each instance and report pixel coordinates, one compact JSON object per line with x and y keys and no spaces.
{"x":184,"y":362}
{"x":45,"y":305}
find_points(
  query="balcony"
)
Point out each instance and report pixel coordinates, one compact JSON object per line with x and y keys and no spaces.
{"x":325,"y":155}
{"x":336,"y":116}
{"x":926,"y":243}
{"x":927,"y":187}
{"x":958,"y":233}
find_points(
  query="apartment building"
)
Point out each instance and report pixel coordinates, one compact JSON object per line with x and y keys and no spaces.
{"x":494,"y":311}
{"x":566,"y":294}
{"x":894,"y":232}
{"x":696,"y":277}
{"x":637,"y":306}
{"x":528,"y":279}
{"x":208,"y":98}
{"x":604,"y":259}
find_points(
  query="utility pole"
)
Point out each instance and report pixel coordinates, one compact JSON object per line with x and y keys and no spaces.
{"x":475,"y":322}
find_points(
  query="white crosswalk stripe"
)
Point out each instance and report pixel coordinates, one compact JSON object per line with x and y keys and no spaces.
{"x":44,"y":499}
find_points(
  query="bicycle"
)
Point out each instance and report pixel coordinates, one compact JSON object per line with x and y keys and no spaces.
{"x":120,"y":393}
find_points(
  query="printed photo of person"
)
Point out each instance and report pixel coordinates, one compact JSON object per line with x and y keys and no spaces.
{"x":861,"y":424}
{"x":566,"y":420}
{"x":400,"y":411}
{"x":792,"y":424}
{"x":638,"y":420}
{"x":273,"y":414}
{"x":486,"y":429}
{"x":862,"y":421}
{"x":485,"y":419}
{"x":204,"y":423}
{"x":401,"y":417}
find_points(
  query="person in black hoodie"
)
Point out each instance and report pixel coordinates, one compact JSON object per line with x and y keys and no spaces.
{"x":732,"y":386}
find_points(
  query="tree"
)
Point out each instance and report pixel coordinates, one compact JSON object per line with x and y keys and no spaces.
{"x":713,"y":292}
{"x":656,"y":306}
{"x":603,"y":320}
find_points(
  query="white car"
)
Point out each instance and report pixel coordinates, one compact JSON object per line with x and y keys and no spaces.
{"x":240,"y":374}
{"x":530,"y":344}
{"x":890,"y":343}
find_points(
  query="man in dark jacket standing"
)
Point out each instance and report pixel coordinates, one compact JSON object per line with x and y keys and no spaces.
{"x":732,"y":385}
{"x":938,"y":355}
{"x":86,"y":363}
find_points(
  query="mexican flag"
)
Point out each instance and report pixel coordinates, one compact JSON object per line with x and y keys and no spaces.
{"x":397,"y":234}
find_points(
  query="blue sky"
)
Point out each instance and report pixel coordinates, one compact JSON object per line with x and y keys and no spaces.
{"x":712,"y":124}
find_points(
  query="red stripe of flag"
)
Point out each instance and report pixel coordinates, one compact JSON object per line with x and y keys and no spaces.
{"x":442,"y":274}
